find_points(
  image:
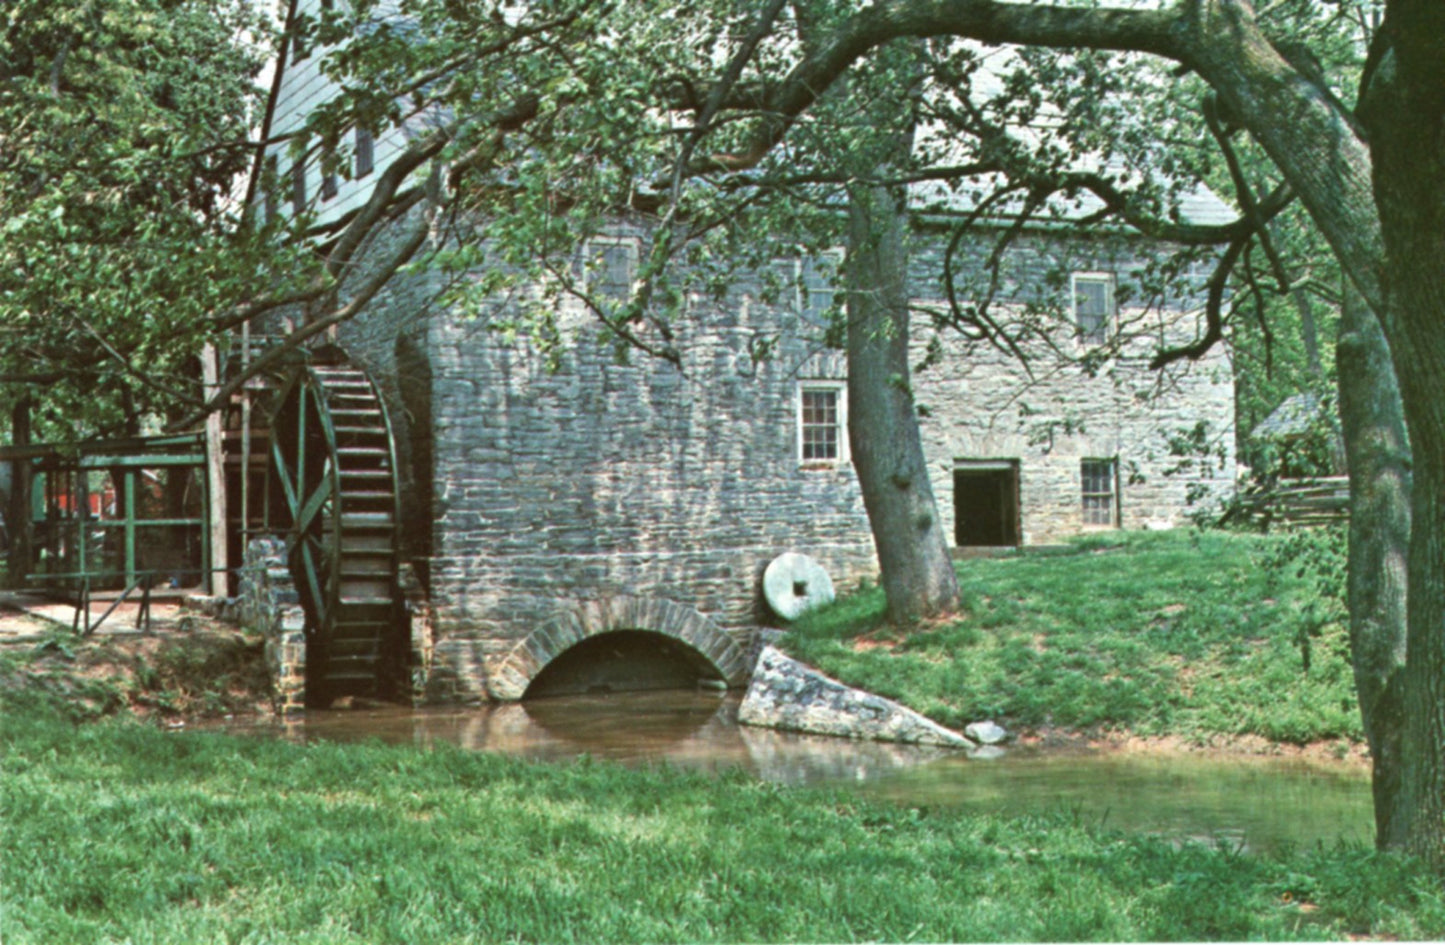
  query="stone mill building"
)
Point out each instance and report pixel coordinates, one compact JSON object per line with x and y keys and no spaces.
{"x":563,"y":510}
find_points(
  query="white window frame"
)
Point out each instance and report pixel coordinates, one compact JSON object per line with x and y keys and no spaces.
{"x":840,"y":391}
{"x":1111,"y":306}
{"x":1085,"y":495}
{"x":591,"y":250}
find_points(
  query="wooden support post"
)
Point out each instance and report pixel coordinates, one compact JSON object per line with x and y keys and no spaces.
{"x":19,"y":517}
{"x":217,"y":576}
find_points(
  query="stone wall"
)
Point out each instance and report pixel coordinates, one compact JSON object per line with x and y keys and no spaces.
{"x":591,"y":478}
{"x":540,"y":481}
{"x":1075,"y":401}
{"x":982,"y":405}
{"x":268,"y":604}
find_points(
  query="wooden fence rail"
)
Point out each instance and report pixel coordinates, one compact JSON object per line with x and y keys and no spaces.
{"x":1300,"y":503}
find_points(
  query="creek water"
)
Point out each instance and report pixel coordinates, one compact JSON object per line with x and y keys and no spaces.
{"x":1253,"y":803}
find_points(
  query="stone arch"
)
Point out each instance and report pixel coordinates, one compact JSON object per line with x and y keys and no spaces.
{"x":511,"y":677}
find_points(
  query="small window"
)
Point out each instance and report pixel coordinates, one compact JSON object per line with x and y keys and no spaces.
{"x":1100,"y":491}
{"x":270,"y":183}
{"x":817,"y":284}
{"x":1093,"y":305}
{"x":820,"y":423}
{"x":298,"y":186}
{"x":365,"y":152}
{"x":610,"y":266}
{"x":299,"y":49}
{"x":328,"y":175}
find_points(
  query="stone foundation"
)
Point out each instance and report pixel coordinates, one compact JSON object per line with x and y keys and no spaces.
{"x":269,"y":604}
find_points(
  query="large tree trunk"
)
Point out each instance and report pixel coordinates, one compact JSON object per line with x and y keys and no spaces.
{"x":1404,"y":107}
{"x":1378,"y":453}
{"x":916,"y":570}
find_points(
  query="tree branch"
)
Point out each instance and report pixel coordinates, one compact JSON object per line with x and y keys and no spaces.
{"x":1213,"y":314}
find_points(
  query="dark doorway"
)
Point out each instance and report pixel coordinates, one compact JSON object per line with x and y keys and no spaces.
{"x":986,"y":503}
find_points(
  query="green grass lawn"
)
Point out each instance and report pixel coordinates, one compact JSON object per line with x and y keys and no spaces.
{"x":1189,"y":633}
{"x":118,"y":832}
{"x":114,"y":831}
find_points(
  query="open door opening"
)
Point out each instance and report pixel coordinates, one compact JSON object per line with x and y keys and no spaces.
{"x":986,"y":503}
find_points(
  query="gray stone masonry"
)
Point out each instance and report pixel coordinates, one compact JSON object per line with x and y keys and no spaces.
{"x":539,"y":483}
{"x":269,"y":605}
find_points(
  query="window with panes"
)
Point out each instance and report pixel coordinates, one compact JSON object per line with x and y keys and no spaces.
{"x":298,"y":186}
{"x":1093,"y":305}
{"x":820,"y":424}
{"x":1100,"y":491}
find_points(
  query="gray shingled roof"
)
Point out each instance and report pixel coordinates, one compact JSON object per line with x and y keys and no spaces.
{"x":1292,"y":417}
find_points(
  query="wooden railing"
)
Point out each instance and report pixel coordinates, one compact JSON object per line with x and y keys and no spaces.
{"x":1301,"y":503}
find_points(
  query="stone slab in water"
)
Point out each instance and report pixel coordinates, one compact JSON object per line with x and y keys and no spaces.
{"x":790,"y":695}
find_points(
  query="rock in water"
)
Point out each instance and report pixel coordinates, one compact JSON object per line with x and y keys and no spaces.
{"x":790,"y":695}
{"x":986,"y":732}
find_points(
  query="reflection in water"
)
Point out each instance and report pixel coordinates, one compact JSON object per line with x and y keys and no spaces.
{"x":1247,"y":802}
{"x":1255,"y":803}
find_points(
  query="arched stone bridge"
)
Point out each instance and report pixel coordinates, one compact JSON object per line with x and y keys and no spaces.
{"x":510,"y":678}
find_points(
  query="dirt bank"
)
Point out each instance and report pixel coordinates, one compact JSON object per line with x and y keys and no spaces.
{"x":188,"y":667}
{"x":1331,"y":753}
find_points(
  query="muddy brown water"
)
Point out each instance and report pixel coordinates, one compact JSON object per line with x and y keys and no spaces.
{"x":1252,"y":803}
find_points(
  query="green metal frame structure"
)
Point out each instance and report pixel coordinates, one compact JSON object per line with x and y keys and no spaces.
{"x":67,"y":535}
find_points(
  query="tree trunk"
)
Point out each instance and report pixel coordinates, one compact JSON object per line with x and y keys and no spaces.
{"x":1403,"y":103}
{"x":916,"y":570}
{"x":1378,"y":454}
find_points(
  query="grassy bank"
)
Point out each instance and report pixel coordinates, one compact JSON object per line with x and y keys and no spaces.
{"x":116,"y":831}
{"x":1182,"y":633}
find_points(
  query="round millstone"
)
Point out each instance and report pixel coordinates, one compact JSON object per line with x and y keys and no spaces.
{"x":794,"y":584}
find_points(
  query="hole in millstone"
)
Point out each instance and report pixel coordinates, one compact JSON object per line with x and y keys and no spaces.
{"x":800,"y":588}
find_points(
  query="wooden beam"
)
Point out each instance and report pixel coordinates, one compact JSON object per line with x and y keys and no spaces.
{"x":217,"y":577}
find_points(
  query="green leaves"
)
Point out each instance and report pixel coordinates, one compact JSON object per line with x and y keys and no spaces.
{"x":126,"y":125}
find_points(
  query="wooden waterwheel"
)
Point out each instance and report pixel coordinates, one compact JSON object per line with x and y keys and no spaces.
{"x":333,"y":466}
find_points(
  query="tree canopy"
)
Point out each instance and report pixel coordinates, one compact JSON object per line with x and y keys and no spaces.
{"x":124,"y":128}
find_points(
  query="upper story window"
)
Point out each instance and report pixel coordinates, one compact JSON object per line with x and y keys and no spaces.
{"x":817,"y":283}
{"x":1100,"y":489}
{"x":1093,"y":305}
{"x":365,"y":152}
{"x":298,"y":186}
{"x":328,"y":176}
{"x":822,"y":422}
{"x":270,"y":184}
{"x":300,"y":45}
{"x":610,"y":265}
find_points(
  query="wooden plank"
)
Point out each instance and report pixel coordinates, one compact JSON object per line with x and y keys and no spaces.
{"x":216,"y":563}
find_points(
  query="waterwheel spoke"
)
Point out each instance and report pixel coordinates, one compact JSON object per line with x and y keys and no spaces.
{"x":315,"y":504}
{"x":283,"y":475}
{"x":309,"y":567}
